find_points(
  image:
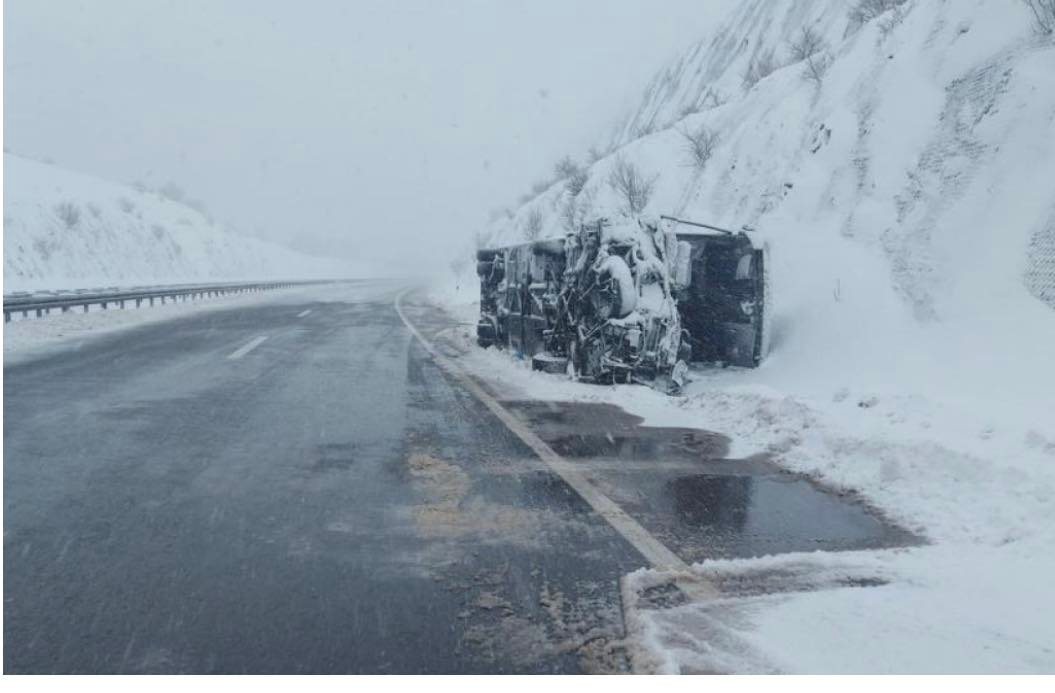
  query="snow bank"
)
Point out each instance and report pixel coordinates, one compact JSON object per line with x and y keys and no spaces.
{"x":909,"y":204}
{"x":68,"y":230}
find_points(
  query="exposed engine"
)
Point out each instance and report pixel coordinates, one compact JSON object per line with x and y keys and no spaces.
{"x":611,"y":302}
{"x":617,"y":316}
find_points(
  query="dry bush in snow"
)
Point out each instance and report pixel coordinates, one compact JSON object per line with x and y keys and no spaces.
{"x":810,"y":48}
{"x":172,"y":191}
{"x":631,"y":185}
{"x":1043,"y":15}
{"x":761,"y":66}
{"x":577,"y":182}
{"x":574,"y":210}
{"x":540,"y":187}
{"x":573,"y":175}
{"x":68,"y":213}
{"x":864,"y":11}
{"x":644,"y":130}
{"x":533,"y":225}
{"x":699,"y":145}
{"x":565,"y":167}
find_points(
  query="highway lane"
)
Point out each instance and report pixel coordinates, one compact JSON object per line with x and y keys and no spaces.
{"x":295,"y":486}
{"x":327,"y":501}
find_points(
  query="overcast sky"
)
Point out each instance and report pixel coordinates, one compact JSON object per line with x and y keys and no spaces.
{"x":372,"y":130}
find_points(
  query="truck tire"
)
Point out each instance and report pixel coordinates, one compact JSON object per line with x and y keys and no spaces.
{"x":485,"y":333}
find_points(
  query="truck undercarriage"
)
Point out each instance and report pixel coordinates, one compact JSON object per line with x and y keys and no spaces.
{"x":626,"y":302}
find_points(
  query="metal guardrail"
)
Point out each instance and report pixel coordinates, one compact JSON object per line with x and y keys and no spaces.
{"x":42,"y":304}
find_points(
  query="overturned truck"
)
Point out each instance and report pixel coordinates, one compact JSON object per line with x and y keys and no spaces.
{"x":627,"y":302}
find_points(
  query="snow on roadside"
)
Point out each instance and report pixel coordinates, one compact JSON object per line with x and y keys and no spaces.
{"x":910,"y":360}
{"x":33,"y":338}
{"x":976,"y":481}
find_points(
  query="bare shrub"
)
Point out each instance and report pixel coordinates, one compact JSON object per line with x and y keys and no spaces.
{"x":533,"y":225}
{"x":126,"y":205}
{"x":761,"y":66}
{"x":95,"y":210}
{"x":172,"y":191}
{"x":891,"y":21}
{"x":573,"y":175}
{"x":811,"y":49}
{"x":577,"y":182}
{"x":699,"y":145}
{"x":594,"y":155}
{"x":158,"y":231}
{"x":574,"y":210}
{"x":68,"y":213}
{"x":631,"y":185}
{"x":1043,"y":15}
{"x":864,"y":11}
{"x":565,"y":167}
{"x":540,"y":187}
{"x":644,"y":130}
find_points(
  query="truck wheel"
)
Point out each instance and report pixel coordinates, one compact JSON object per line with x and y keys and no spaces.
{"x":485,"y":333}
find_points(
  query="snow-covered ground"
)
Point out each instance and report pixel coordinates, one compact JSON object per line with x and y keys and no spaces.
{"x":908,"y":201}
{"x":67,"y":230}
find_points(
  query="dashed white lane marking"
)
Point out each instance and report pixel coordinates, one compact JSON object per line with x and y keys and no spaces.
{"x":303,"y":313}
{"x":654,"y":551}
{"x":243,"y":350}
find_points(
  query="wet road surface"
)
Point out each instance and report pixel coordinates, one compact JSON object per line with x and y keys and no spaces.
{"x":328,"y":500}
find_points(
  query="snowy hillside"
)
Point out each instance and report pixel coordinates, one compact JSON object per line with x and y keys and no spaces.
{"x":903,"y":177}
{"x":68,"y":230}
{"x":908,"y":195}
{"x":928,"y":145}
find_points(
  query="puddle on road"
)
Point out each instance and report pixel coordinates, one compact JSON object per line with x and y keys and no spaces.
{"x":650,"y":444}
{"x":680,"y":485}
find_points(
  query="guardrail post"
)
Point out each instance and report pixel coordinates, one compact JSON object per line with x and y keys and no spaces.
{"x":122,"y":305}
{"x":7,"y":316}
{"x":85,"y":307}
{"x":40,"y":313}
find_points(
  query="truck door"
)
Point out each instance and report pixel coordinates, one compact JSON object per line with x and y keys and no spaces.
{"x":745,"y":318}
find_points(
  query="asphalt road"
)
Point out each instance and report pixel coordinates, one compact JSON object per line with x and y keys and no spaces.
{"x":296,"y":487}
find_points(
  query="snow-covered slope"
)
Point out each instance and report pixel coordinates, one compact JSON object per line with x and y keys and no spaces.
{"x":908,"y":201}
{"x":68,"y":230}
{"x":908,"y":198}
